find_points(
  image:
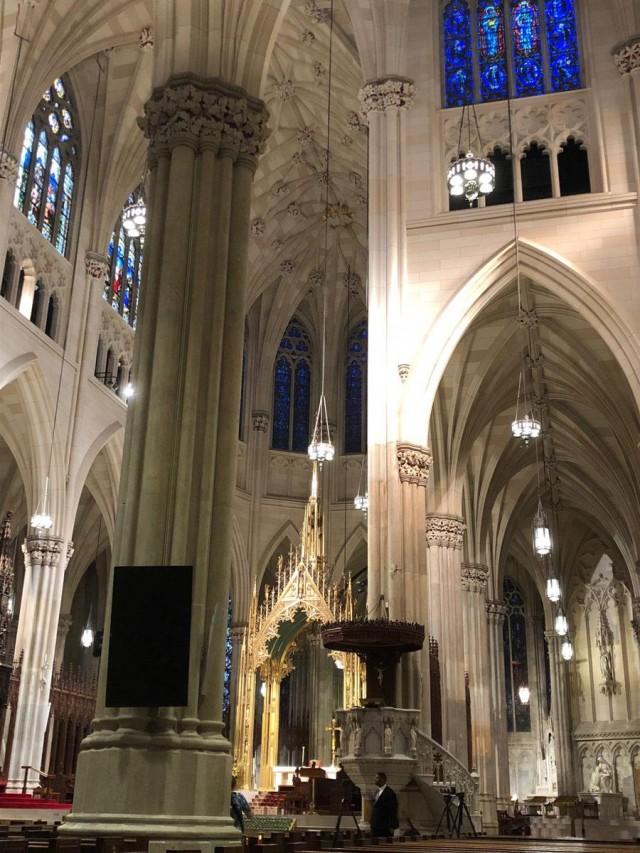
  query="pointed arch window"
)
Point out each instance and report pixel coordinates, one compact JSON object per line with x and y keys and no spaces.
{"x":527,"y":47}
{"x":292,"y":390}
{"x":516,"y":670}
{"x":355,"y":396}
{"x":45,"y":185}
{"x":125,"y":253}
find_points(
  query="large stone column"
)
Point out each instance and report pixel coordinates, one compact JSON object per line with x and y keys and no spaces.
{"x":561,"y":716}
{"x":414,"y":465}
{"x":496,"y":613}
{"x":444,"y":557}
{"x":44,"y":567}
{"x":165,"y":773}
{"x":474,"y":584}
{"x":385,"y":101}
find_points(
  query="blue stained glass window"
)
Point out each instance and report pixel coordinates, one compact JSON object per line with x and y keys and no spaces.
{"x":37,"y":184}
{"x":355,"y":390}
{"x":116,"y":285}
{"x":562,"y":40}
{"x":64,"y":216}
{"x":458,"y":63}
{"x":292,"y":390}
{"x":527,"y":53}
{"x":52,"y":194}
{"x":494,"y":80}
{"x":228,"y":661}
{"x":301,"y":403}
{"x":122,"y":287}
{"x":25,"y":164}
{"x":515,"y":657}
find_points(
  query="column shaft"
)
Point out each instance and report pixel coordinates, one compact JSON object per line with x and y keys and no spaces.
{"x":561,"y":716}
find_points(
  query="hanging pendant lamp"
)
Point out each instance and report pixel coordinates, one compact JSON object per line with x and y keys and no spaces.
{"x":566,"y":649}
{"x":321,"y":448}
{"x":561,"y":624}
{"x":41,"y":521}
{"x":524,"y":694}
{"x":541,"y":533}
{"x":470,"y":176}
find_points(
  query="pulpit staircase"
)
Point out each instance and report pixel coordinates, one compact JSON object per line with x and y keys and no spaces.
{"x":438,"y":769}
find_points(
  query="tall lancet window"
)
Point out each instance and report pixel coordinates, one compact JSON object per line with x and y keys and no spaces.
{"x":122,"y":288}
{"x":516,"y":670}
{"x":292,"y":390}
{"x":491,"y":47}
{"x":48,"y":164}
{"x":355,"y":392}
{"x":228,"y":657}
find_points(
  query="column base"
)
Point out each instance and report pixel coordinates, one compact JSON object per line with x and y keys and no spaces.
{"x":164,"y":794}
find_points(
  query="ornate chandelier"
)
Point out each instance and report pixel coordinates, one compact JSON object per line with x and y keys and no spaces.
{"x":566,"y":650}
{"x":134,"y":214}
{"x":471,"y":176}
{"x":553,"y":590}
{"x":321,"y":449}
{"x":562,"y":624}
{"x":361,"y":502}
{"x":541,"y":533}
{"x":526,"y":427}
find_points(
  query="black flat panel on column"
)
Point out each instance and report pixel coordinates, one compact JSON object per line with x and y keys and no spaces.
{"x":149,"y":637}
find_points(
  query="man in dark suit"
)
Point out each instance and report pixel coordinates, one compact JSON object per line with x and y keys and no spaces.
{"x":384,"y":815}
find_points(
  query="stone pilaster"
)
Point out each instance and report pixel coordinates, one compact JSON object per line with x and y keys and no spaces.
{"x":204,"y":140}
{"x":44,"y":566}
{"x":444,"y":536}
{"x":8,"y":175}
{"x":474,"y":578}
{"x":496,"y":613}
{"x":561,"y":715}
{"x":64,"y":624}
{"x":627,"y":59}
{"x":238,"y":635}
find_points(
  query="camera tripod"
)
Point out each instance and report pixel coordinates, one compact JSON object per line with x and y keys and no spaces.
{"x":345,"y":808}
{"x":455,"y":808}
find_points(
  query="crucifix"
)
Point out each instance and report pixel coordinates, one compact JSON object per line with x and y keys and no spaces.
{"x":335,"y":729}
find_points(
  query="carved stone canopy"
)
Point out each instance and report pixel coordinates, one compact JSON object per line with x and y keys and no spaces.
{"x":206,"y":113}
{"x":96,"y":265}
{"x":8,"y":167}
{"x":627,"y":56}
{"x":42,"y":551}
{"x":387,"y":93}
{"x":414,"y":463}
{"x":445,"y":531}
{"x":260,"y":421}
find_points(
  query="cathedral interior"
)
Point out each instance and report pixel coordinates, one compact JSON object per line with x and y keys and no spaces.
{"x":330,"y":305}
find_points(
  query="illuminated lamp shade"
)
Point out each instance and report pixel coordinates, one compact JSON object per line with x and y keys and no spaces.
{"x":566,"y":650}
{"x":41,"y":520}
{"x":524,"y":694}
{"x":553,"y":589}
{"x":134,"y":218}
{"x":361,"y":502}
{"x":541,"y":533}
{"x":471,"y":177}
{"x":263,"y":688}
{"x":562,"y":625}
{"x":321,"y":449}
{"x":526,"y":428}
{"x":128,"y":391}
{"x":86,"y":638}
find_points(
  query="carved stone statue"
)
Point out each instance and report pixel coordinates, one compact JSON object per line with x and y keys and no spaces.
{"x":602,"y":778}
{"x":388,"y":738}
{"x":357,"y":737}
{"x":413,"y":738}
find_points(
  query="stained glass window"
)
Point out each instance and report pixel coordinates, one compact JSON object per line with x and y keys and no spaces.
{"x":228,"y":660}
{"x":45,"y":184}
{"x":492,"y":50}
{"x":356,"y":390}
{"x":457,"y":53}
{"x":516,"y":669}
{"x":538,"y":37}
{"x":292,"y":390}
{"x":124,"y":252}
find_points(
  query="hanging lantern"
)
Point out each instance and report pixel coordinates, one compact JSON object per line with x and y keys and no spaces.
{"x":526,"y":428}
{"x":562,"y":624}
{"x":128,"y":391}
{"x":524,"y":694}
{"x":361,"y":502}
{"x":41,"y":520}
{"x":87,"y":637}
{"x":134,"y":216}
{"x":566,"y":650}
{"x":471,"y":177}
{"x":321,"y":449}
{"x":553,"y":590}
{"x":541,"y":533}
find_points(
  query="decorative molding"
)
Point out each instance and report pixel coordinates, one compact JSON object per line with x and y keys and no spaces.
{"x":403,"y":372}
{"x":145,"y":39}
{"x":387,"y":93}
{"x":414,"y":463}
{"x":445,"y":531}
{"x":260,"y":421}
{"x":496,"y":612}
{"x":206,"y":114}
{"x":96,"y":265}
{"x":474,"y":577}
{"x":627,"y":56}
{"x":116,"y":334}
{"x":258,"y":226}
{"x":8,"y":167}
{"x":42,"y":551}
{"x":28,"y":244}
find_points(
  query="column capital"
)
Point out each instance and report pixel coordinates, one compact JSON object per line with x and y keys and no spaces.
{"x":96,"y":265}
{"x":445,"y":531}
{"x":42,"y":551}
{"x":260,"y":421}
{"x":8,"y":167}
{"x":474,"y":577}
{"x":627,"y":56}
{"x":65,"y":621}
{"x":496,"y":612}
{"x":414,"y":463}
{"x":206,"y":113}
{"x":387,"y":93}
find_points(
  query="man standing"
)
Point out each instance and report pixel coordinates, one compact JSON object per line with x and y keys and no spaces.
{"x":384,"y":815}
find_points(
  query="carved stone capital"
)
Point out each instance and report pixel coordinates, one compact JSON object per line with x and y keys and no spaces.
{"x":42,"y":551}
{"x":403,"y":372}
{"x":145,"y":39}
{"x":445,"y":531}
{"x":387,"y":93}
{"x":260,"y":421}
{"x":96,"y":265}
{"x":64,"y":624}
{"x":8,"y":167}
{"x":206,"y":113}
{"x":496,"y":612}
{"x":627,"y":56}
{"x":414,"y":463}
{"x":474,"y":577}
